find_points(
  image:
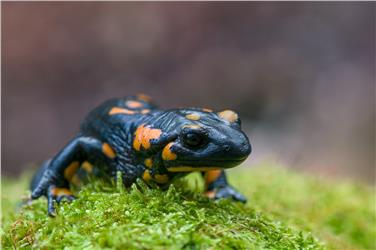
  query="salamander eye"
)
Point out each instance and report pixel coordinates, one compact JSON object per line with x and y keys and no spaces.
{"x":193,"y":139}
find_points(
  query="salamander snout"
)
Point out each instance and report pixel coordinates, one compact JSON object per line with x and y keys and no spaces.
{"x":236,"y":148}
{"x":241,"y":150}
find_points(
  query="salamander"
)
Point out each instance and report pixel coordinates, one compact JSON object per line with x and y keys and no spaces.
{"x":131,"y":135}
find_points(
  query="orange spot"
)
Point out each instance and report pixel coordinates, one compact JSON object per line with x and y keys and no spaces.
{"x":148,"y":163}
{"x":167,"y":155}
{"x":145,"y":111}
{"x":116,"y":110}
{"x":134,"y":104}
{"x":144,"y":135}
{"x":161,"y":178}
{"x":193,"y":116}
{"x":192,"y":126}
{"x":210,"y":194}
{"x":144,"y":97}
{"x":207,"y":110}
{"x":71,"y":170}
{"x":211,"y":176}
{"x":146,"y":176}
{"x":60,"y":191}
{"x":108,"y":151}
{"x":228,"y":115}
{"x":87,"y":167}
{"x":76,"y":180}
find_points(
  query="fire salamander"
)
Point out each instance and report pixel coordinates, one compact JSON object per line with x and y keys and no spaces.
{"x":133,"y":136}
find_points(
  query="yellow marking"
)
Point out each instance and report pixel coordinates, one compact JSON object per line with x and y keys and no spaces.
{"x":148,"y":163}
{"x":228,"y":115}
{"x":161,"y":178}
{"x":87,"y":167}
{"x":193,"y":116}
{"x":60,"y":191}
{"x":190,"y":169}
{"x":134,"y":104}
{"x":144,"y":135}
{"x":210,"y":194}
{"x":211,"y":176}
{"x":146,"y":176}
{"x":192,"y":126}
{"x":145,"y":111}
{"x":75,"y":180}
{"x":167,"y":155}
{"x":207,"y":110}
{"x":71,"y":170}
{"x":116,"y":110}
{"x":144,"y":97}
{"x":108,"y":151}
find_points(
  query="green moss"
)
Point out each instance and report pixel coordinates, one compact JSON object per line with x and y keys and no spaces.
{"x":286,"y":210}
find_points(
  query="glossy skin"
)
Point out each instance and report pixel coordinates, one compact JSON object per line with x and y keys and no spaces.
{"x":132,"y":136}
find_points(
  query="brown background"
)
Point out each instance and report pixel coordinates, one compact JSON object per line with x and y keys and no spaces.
{"x":301,"y":75}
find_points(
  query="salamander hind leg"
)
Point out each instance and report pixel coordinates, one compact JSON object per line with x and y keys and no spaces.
{"x":57,"y":194}
{"x":53,"y":180}
{"x":46,"y":183}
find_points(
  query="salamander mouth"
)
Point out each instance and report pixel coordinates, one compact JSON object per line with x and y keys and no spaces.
{"x":237,"y":160}
{"x":199,"y":165}
{"x":192,"y":169}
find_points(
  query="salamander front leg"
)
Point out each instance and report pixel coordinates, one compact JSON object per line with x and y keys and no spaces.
{"x":217,"y":187}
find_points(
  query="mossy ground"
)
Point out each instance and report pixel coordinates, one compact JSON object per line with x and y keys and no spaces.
{"x":286,"y":210}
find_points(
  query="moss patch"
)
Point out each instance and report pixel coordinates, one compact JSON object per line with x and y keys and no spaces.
{"x":286,"y":210}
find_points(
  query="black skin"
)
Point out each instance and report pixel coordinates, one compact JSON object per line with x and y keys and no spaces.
{"x":121,"y":134}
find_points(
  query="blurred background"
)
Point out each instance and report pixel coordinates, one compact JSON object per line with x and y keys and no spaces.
{"x":301,"y":75}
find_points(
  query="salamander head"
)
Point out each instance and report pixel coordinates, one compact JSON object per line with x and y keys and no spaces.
{"x":205,"y":140}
